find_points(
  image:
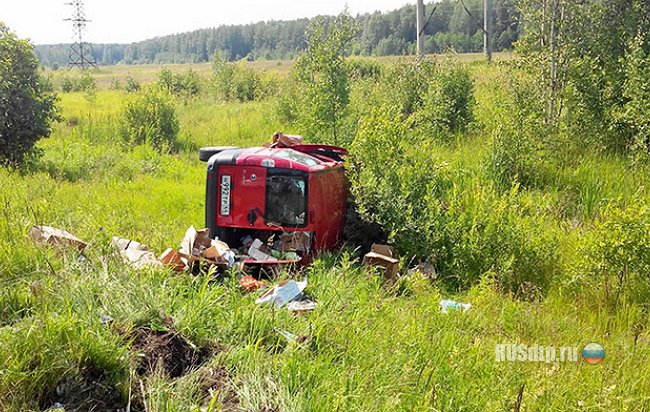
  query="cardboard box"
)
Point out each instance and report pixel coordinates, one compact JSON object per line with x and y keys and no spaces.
{"x":172,"y":259}
{"x":51,"y":236}
{"x":295,"y":241}
{"x":383,"y":256}
{"x":216,"y":251}
{"x":259,"y":251}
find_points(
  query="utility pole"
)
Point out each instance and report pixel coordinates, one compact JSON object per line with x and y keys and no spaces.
{"x":487,"y":29}
{"x":81,"y":54}
{"x":420,"y":27}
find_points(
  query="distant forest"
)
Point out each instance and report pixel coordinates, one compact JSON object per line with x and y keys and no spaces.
{"x":451,"y":24}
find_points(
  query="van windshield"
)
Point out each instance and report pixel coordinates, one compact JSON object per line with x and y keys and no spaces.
{"x":286,"y":200}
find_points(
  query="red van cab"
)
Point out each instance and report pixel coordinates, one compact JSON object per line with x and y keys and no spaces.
{"x":259,"y":192}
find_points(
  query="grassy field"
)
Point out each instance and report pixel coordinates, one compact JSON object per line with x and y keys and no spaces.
{"x":104,"y":75}
{"x":369,"y":346}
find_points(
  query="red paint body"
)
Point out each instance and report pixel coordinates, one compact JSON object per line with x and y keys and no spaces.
{"x":241,"y":199}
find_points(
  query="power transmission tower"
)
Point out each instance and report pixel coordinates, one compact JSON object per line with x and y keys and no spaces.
{"x":81,"y":54}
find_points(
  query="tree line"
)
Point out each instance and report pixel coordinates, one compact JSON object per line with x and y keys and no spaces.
{"x":451,"y":24}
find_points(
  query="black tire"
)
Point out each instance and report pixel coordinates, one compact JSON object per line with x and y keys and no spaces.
{"x":205,"y":153}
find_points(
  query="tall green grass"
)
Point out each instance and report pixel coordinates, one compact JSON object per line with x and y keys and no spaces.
{"x":373,"y":345}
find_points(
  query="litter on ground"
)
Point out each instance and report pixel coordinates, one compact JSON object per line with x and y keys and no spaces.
{"x":451,"y":305}
{"x":283,"y":293}
{"x":250,"y":284}
{"x":135,"y":254}
{"x":301,"y":306}
{"x":383,"y":256}
{"x":51,"y":236}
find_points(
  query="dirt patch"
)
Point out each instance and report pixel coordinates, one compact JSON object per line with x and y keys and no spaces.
{"x":167,"y":351}
{"x":90,"y":390}
{"x":217,"y":380}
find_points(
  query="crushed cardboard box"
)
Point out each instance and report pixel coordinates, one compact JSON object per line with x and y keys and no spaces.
{"x":51,"y":236}
{"x":135,"y":254}
{"x":259,"y":251}
{"x":172,"y":259}
{"x":294,"y":242}
{"x":383,"y":256}
{"x":197,"y":245}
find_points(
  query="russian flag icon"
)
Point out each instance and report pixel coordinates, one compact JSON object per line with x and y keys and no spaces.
{"x":593,"y":353}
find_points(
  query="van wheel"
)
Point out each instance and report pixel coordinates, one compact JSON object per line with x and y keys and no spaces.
{"x":205,"y":153}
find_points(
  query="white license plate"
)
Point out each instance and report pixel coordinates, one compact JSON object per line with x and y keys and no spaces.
{"x":225,"y":195}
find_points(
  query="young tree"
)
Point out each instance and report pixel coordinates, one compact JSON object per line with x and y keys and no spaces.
{"x":322,"y":75}
{"x":27,"y":102}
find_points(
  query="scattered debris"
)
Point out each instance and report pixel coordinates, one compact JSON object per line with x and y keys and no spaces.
{"x":250,"y":284}
{"x":172,"y":259}
{"x":294,"y":241}
{"x":105,"y":319}
{"x":50,"y":236}
{"x":197,"y":245}
{"x":383,"y":256}
{"x":449,"y":305}
{"x":292,"y":337}
{"x":56,"y":407}
{"x":135,"y":254}
{"x":301,"y":306}
{"x":168,"y":351}
{"x":259,"y":251}
{"x":426,"y":269}
{"x":283,"y":293}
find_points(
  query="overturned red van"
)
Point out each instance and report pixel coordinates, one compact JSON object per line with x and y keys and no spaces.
{"x":259,"y":192}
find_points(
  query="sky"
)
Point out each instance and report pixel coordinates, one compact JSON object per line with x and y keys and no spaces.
{"x":125,"y":21}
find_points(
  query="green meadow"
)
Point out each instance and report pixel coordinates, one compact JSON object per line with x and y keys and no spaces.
{"x":370,"y":345}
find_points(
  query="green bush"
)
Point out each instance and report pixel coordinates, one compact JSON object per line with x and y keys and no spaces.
{"x":363,"y":68}
{"x":490,"y":234}
{"x":132,"y":85}
{"x":150,"y":117}
{"x":466,"y":226}
{"x":394,"y":185}
{"x":614,"y":263}
{"x":522,"y":144}
{"x":187,"y":84}
{"x":84,"y":83}
{"x":449,"y":100}
{"x":27,"y":101}
{"x":322,"y":77}
{"x":240,"y":82}
{"x":636,"y":111}
{"x":436,"y":97}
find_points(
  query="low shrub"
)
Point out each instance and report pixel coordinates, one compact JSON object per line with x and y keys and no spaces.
{"x":84,"y":83}
{"x":523,"y":145}
{"x":150,"y":117}
{"x":187,"y":84}
{"x":240,"y":82}
{"x":448,"y":103}
{"x":466,"y":227}
{"x":132,"y":85}
{"x":614,"y":260}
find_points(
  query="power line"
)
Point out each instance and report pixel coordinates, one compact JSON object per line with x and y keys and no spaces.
{"x":81,"y":54}
{"x":473,"y":18}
